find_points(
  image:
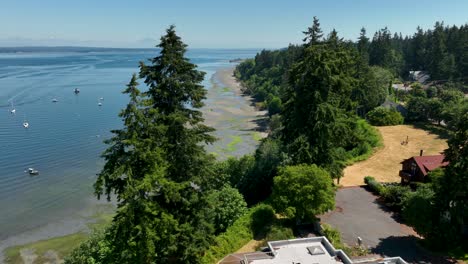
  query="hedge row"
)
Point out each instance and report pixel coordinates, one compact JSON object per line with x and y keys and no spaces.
{"x":240,"y":233}
{"x":374,"y":185}
{"x":392,"y":194}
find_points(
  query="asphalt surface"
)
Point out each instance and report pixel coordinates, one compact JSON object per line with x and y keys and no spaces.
{"x":359,"y":214}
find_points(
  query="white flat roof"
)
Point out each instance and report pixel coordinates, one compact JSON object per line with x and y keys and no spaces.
{"x":298,"y":251}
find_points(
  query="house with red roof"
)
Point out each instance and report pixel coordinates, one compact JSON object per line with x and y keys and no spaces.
{"x":415,"y":169}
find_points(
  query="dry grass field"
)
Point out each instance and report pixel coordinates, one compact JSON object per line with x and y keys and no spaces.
{"x":385,"y":163}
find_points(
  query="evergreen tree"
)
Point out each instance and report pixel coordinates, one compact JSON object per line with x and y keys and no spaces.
{"x":363,"y":45}
{"x":316,"y":101}
{"x":438,"y":53}
{"x":157,"y":165}
{"x":314,"y":33}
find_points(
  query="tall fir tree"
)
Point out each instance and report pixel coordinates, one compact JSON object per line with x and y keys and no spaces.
{"x":313,"y":34}
{"x":157,"y":165}
{"x":363,"y":45}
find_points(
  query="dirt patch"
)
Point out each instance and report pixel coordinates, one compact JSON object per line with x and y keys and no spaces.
{"x":250,"y":247}
{"x":384,"y":165}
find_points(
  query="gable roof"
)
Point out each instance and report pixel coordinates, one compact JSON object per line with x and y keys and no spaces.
{"x":428,"y":163}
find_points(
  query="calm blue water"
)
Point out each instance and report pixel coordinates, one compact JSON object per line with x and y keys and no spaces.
{"x":65,"y":139}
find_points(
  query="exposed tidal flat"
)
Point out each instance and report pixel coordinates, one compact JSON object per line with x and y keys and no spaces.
{"x":65,"y":139}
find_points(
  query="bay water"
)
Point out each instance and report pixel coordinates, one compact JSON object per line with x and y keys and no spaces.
{"x":65,"y":138}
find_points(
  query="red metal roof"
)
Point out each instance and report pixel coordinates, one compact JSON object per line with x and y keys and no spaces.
{"x":428,"y":163}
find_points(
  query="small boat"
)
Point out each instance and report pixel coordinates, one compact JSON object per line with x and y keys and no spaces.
{"x":99,"y":104}
{"x":13,"y":110}
{"x":32,"y":171}
{"x":25,"y":124}
{"x":54,"y":100}
{"x":102,"y":98}
{"x":76,"y":91}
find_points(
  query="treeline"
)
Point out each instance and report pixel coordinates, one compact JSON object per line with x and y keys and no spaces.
{"x":441,"y":52}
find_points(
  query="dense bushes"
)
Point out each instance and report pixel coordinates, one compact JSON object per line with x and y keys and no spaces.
{"x":393,"y":195}
{"x":241,"y":232}
{"x":381,"y":116}
{"x":373,"y":185}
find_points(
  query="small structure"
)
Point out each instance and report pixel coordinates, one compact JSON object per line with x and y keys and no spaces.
{"x":415,"y":169}
{"x":301,"y":251}
{"x":389,"y":104}
{"x":419,"y":76}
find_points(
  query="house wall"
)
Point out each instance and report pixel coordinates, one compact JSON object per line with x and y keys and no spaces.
{"x":407,"y":166}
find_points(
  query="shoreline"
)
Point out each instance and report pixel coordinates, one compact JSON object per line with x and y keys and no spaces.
{"x":237,"y":122}
{"x":227,"y":109}
{"x":226,"y":77}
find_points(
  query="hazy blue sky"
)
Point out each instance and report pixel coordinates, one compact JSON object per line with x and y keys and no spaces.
{"x":209,"y":23}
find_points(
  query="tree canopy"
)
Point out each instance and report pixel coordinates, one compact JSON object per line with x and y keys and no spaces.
{"x":301,"y":192}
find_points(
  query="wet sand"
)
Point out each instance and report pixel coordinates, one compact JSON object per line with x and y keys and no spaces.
{"x":233,"y":116}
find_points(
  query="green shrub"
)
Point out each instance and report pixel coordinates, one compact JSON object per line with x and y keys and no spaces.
{"x":394,"y":194}
{"x":375,"y":186}
{"x":242,"y":231}
{"x":333,"y":235}
{"x":381,"y":116}
{"x":278,"y":232}
{"x":367,"y":179}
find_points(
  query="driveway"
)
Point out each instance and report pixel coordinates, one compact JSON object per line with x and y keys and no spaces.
{"x":358,"y":213}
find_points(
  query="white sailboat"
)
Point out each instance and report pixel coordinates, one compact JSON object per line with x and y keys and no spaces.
{"x":12,"y":110}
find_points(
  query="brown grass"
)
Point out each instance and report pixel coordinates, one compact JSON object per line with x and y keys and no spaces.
{"x":385,"y":163}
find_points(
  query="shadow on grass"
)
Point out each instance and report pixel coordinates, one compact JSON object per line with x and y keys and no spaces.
{"x":407,"y":248}
{"x":440,"y":131}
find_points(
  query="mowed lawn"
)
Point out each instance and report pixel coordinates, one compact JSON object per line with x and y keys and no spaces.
{"x":384,"y":165}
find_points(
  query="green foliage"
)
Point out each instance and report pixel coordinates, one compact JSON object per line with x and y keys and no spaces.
{"x":374,"y":185}
{"x":367,"y":179}
{"x":95,"y":250}
{"x":394,"y":194}
{"x":242,"y":231}
{"x":257,"y":183}
{"x":274,"y":106}
{"x":416,"y":206}
{"x":303,"y":191}
{"x":262,"y":77}
{"x":278,"y":232}
{"x":333,"y":235}
{"x":381,"y":116}
{"x":315,"y":119}
{"x":226,"y":205}
{"x":157,"y":162}
{"x":313,"y":34}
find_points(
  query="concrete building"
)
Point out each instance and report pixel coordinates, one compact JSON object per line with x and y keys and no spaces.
{"x":314,"y":250}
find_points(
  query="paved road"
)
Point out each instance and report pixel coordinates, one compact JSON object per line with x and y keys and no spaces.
{"x":358,"y":213}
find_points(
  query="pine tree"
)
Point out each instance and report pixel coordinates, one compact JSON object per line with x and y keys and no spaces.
{"x":363,"y":44}
{"x":133,"y":171}
{"x":157,"y":164}
{"x":314,"y":33}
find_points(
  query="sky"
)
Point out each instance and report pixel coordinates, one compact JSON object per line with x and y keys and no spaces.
{"x":210,"y":23}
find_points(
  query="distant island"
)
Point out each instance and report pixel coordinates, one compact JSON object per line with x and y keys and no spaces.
{"x":236,"y":60}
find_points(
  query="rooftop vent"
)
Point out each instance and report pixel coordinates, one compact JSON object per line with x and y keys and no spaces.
{"x":315,"y":250}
